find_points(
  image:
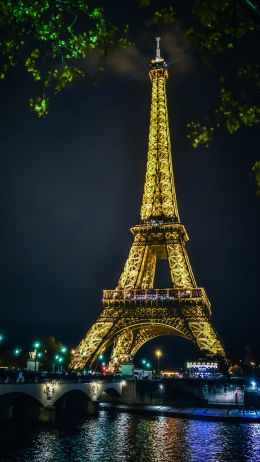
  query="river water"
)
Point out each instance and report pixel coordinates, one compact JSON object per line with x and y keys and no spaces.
{"x":123,"y":437}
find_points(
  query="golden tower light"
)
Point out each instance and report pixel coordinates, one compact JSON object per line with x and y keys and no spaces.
{"x":136,"y":311}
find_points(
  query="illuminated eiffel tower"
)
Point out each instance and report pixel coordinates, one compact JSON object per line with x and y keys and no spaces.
{"x":135,"y":312}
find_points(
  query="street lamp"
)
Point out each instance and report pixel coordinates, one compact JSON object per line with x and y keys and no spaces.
{"x":36,"y":346}
{"x":59,"y":360}
{"x":17,"y":351}
{"x":254,"y":385}
{"x":158,"y":354}
{"x":99,"y":360}
{"x":1,"y":337}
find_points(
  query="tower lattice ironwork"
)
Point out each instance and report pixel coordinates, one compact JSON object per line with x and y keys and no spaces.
{"x":135,"y":312}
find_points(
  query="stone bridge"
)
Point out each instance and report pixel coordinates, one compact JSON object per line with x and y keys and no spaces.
{"x":41,"y":401}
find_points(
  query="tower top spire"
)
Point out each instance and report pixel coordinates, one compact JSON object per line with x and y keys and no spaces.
{"x":158,"y":51}
{"x":158,"y":62}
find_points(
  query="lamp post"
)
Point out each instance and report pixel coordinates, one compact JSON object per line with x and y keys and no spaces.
{"x":16,"y":353}
{"x":158,"y":354}
{"x":59,"y":359}
{"x":56,"y":357}
{"x":254,"y":385}
{"x":36,"y":347}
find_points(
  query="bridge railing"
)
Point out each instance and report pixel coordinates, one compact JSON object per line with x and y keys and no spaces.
{"x":153,"y":294}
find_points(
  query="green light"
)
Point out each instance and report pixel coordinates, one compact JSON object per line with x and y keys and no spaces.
{"x":39,"y":355}
{"x":17,"y":351}
{"x":64,"y":349}
{"x":1,"y":337}
{"x":103,"y":364}
{"x":56,"y":356}
{"x":143,"y":361}
{"x":60,"y":360}
{"x":148,"y":365}
{"x":36,"y":345}
{"x":101,"y":356}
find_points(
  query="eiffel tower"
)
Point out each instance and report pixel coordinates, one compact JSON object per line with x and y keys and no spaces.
{"x":135,"y":312}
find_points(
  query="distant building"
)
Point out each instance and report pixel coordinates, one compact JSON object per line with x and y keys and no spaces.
{"x":202,"y":369}
{"x":170,"y":374}
{"x":142,"y":373}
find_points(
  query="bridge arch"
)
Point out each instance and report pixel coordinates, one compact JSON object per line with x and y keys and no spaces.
{"x":73,"y":401}
{"x":109,"y":394}
{"x":19,"y":406}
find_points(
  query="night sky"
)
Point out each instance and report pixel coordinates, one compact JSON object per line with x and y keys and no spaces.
{"x":71,"y":187}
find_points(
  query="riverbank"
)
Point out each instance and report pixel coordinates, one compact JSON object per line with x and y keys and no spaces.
{"x":215,"y":414}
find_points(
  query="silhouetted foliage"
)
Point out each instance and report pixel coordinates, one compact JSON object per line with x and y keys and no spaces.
{"x":53,"y":39}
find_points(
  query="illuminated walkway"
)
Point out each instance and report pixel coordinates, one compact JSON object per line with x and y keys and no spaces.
{"x":227,"y":414}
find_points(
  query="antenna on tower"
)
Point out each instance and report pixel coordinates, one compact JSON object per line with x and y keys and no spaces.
{"x":158,"y":51}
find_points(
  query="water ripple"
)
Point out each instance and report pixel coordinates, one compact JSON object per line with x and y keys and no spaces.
{"x":113,"y":437}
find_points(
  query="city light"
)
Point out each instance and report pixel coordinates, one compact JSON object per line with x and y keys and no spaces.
{"x":158,"y":354}
{"x":36,"y":345}
{"x":17,"y":351}
{"x":1,"y":337}
{"x":64,"y":349}
{"x":253,"y":384}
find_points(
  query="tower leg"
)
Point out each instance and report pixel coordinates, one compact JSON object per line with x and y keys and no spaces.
{"x":206,"y":337}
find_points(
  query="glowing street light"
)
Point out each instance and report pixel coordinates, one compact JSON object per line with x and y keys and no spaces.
{"x":59,"y":360}
{"x":64,"y":349}
{"x":36,"y":347}
{"x":158,"y":354}
{"x":1,"y":337}
{"x":17,"y":351}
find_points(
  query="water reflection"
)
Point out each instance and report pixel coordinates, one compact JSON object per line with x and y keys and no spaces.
{"x":131,"y":438}
{"x":222,"y":442}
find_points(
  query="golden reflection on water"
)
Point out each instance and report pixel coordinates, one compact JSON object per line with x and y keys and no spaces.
{"x":122,"y":437}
